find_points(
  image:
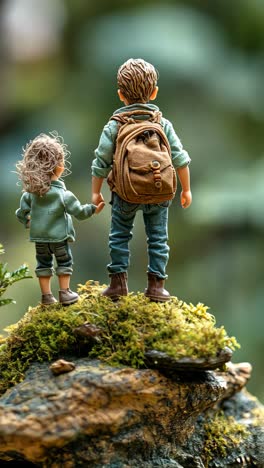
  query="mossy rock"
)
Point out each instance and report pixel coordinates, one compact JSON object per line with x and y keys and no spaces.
{"x":158,"y":360}
{"x":129,"y":329}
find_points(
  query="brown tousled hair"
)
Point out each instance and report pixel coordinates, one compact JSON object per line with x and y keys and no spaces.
{"x":137,"y":80}
{"x":41,"y":156}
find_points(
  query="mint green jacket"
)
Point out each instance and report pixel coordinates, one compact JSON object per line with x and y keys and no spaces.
{"x":50,"y":214}
{"x":101,"y":165}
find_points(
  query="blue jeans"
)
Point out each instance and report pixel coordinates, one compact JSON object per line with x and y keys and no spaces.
{"x":44,"y":255}
{"x":156,"y":227}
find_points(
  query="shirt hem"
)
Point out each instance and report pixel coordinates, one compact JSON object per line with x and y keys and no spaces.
{"x":39,"y":239}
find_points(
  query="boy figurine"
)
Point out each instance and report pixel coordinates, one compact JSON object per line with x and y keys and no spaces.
{"x":46,"y":207}
{"x":137,"y":85}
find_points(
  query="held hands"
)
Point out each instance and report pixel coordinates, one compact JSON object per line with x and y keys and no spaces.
{"x":186,"y":199}
{"x":100,"y":207}
{"x":98,"y":200}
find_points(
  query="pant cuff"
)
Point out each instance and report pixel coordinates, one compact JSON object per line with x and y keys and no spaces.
{"x":64,"y":271}
{"x":158,"y":274}
{"x":44,"y":272}
{"x":115,"y":271}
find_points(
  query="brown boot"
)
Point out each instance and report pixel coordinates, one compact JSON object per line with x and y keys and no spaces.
{"x":67,"y":297}
{"x":47,"y":299}
{"x":155,"y":290}
{"x":117,"y":287}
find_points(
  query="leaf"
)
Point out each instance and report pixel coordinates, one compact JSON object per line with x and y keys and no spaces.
{"x":6,"y":302}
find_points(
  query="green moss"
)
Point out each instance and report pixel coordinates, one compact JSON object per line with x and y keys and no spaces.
{"x":130,"y":326}
{"x":258,"y":416}
{"x":222,"y":435}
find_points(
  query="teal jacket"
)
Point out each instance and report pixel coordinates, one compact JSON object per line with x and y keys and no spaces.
{"x":101,"y":165}
{"x":50,"y":214}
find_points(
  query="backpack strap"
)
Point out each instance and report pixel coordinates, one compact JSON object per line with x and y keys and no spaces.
{"x":127,"y":117}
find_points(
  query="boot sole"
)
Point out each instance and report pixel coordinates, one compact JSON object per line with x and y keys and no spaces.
{"x":114,"y":298}
{"x":158,"y":299}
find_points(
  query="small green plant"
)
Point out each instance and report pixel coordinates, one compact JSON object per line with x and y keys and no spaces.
{"x":8,"y":278}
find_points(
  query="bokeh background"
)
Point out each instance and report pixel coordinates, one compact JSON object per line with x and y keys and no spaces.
{"x":58,"y":72}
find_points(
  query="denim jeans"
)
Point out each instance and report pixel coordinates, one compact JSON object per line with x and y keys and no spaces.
{"x":44,"y":255}
{"x":156,"y":227}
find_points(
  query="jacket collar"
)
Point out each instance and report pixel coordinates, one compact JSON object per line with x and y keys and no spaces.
{"x":137,"y":106}
{"x":58,"y":183}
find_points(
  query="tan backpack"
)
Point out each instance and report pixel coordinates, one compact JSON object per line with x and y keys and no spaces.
{"x":142,"y":169}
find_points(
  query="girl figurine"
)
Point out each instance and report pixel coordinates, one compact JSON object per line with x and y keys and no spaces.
{"x":46,"y":207}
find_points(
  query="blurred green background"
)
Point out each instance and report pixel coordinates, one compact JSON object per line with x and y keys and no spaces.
{"x":58,"y":72}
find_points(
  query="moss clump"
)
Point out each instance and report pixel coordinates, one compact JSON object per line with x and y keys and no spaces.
{"x":258,"y":416}
{"x":129,"y":327}
{"x":222,"y":435}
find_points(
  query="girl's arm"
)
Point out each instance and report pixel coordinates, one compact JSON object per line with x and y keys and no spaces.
{"x":23,"y":212}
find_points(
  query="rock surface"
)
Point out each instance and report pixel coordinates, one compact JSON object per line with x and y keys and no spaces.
{"x":100,"y":416}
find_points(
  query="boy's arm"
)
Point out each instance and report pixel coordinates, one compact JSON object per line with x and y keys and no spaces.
{"x":179,"y":156}
{"x":180,"y":160}
{"x":23,"y":212}
{"x":186,"y":195}
{"x":101,"y":165}
{"x":97,"y":197}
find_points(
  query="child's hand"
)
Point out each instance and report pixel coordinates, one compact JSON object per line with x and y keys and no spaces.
{"x":100,"y":207}
{"x":186,"y":199}
{"x":28,"y":222}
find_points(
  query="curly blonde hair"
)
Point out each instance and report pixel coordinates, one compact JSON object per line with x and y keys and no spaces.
{"x":41,"y":156}
{"x":137,"y":79}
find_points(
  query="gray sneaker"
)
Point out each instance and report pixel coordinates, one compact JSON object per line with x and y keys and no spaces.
{"x":47,"y":299}
{"x":67,"y":297}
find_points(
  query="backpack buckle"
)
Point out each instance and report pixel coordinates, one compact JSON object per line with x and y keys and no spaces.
{"x":155,"y":166}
